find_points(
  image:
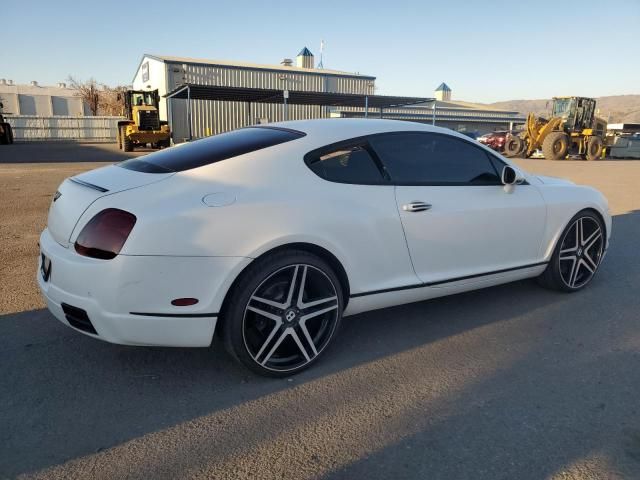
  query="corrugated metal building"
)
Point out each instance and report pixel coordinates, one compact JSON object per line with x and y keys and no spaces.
{"x":460,"y":116}
{"x":209,"y":117}
{"x":165,"y":73}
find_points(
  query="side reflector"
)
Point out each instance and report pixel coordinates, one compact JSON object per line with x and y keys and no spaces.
{"x":184,"y":302}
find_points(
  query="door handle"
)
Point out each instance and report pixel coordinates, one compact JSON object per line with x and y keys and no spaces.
{"x":416,"y":207}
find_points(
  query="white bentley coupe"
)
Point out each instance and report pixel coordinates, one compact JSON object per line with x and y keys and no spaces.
{"x":270,"y":234}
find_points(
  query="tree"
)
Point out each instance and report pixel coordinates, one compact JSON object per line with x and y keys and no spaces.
{"x":89,"y":92}
{"x":112,"y":100}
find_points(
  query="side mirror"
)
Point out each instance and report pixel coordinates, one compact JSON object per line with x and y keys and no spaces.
{"x":509,"y":175}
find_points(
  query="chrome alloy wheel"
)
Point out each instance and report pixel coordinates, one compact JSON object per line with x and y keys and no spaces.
{"x":290,"y":317}
{"x":581,"y":252}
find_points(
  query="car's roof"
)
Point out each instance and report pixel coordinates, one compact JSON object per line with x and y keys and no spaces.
{"x":328,"y":130}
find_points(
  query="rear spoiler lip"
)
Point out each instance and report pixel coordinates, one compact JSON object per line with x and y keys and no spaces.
{"x":88,"y":185}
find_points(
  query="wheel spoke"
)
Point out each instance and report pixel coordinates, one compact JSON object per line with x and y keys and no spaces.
{"x":589,"y":264}
{"x":580,"y":231}
{"x":264,"y":313}
{"x":271,"y":303}
{"x":275,"y":346}
{"x":296,"y":338}
{"x":272,"y":334}
{"x":573,"y":272}
{"x":307,"y":336}
{"x":592,"y":238}
{"x":567,"y":257}
{"x":292,"y":286}
{"x":315,"y":313}
{"x":303,"y":283}
{"x":316,"y":302}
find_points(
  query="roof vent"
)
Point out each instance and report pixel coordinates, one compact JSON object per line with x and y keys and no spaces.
{"x":305,"y":59}
{"x":3,"y":81}
{"x":287,"y":62}
{"x":62,"y":85}
{"x":34,"y":83}
{"x":9,"y":82}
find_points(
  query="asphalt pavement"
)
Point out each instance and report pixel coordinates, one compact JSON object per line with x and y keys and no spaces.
{"x":512,"y":382}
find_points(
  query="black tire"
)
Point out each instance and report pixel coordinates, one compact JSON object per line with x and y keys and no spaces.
{"x":555,"y":146}
{"x":594,"y":148}
{"x":556,"y":275}
{"x":9,"y":134}
{"x":261,"y":343}
{"x":127,"y":145}
{"x":513,"y":147}
{"x":4,"y":135}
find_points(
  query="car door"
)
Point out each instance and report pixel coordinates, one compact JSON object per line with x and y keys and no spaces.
{"x":459,"y":220}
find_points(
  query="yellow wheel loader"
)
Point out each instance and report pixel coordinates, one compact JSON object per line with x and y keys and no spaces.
{"x":573,"y":129}
{"x":143,"y":125}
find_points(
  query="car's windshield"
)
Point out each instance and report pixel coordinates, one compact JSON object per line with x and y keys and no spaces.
{"x":561,"y":107}
{"x":142,"y":98}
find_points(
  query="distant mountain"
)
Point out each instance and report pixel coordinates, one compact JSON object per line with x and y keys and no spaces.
{"x":617,"y":109}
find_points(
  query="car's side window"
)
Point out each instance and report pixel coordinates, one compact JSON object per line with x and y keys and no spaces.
{"x":345,"y":164}
{"x":415,"y":158}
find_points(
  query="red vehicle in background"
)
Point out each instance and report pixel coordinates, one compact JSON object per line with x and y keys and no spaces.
{"x":495,"y":140}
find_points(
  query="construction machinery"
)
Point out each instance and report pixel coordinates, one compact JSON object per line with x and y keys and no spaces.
{"x":143,"y":125}
{"x":6,"y":133}
{"x":572,"y":130}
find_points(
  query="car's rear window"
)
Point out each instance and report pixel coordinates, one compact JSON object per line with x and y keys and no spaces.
{"x":211,"y":149}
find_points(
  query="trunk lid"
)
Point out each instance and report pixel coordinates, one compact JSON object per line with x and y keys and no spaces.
{"x":76,"y":193}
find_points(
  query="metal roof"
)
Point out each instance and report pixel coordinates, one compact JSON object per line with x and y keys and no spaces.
{"x":305,"y":52}
{"x":252,"y":66}
{"x":443,"y":87}
{"x":261,"y":95}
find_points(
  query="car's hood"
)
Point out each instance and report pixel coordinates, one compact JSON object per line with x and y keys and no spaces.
{"x":554,"y":180}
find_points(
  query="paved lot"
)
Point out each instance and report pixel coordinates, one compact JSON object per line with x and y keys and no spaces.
{"x":508,"y":382}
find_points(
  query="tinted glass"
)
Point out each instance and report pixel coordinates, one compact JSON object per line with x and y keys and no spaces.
{"x":346,"y":165}
{"x":434,"y":159}
{"x":211,"y":149}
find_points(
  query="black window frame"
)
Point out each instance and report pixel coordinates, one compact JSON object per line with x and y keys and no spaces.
{"x":356,"y":142}
{"x":490,"y":158}
{"x":363,"y":141}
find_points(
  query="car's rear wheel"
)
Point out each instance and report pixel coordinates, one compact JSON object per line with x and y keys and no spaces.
{"x":283,"y":313}
{"x":577,"y":256}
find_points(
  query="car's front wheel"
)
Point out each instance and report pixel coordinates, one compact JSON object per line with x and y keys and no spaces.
{"x":283,"y":313}
{"x":577,"y":255}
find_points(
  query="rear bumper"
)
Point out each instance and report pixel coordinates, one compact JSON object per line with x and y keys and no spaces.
{"x":127,"y":300}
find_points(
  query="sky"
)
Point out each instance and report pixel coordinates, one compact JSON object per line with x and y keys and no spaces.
{"x":485,"y":51}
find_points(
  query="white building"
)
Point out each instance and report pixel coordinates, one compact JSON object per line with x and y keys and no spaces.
{"x":166,"y":73}
{"x":40,"y":100}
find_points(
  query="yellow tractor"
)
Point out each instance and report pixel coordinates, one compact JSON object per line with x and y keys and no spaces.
{"x":573,"y":129}
{"x":143,"y":125}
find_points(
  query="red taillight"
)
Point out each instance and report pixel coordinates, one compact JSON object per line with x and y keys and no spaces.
{"x":104,"y":235}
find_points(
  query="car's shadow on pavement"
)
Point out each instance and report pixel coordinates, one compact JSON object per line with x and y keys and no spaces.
{"x":544,"y":379}
{"x":65,"y":152}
